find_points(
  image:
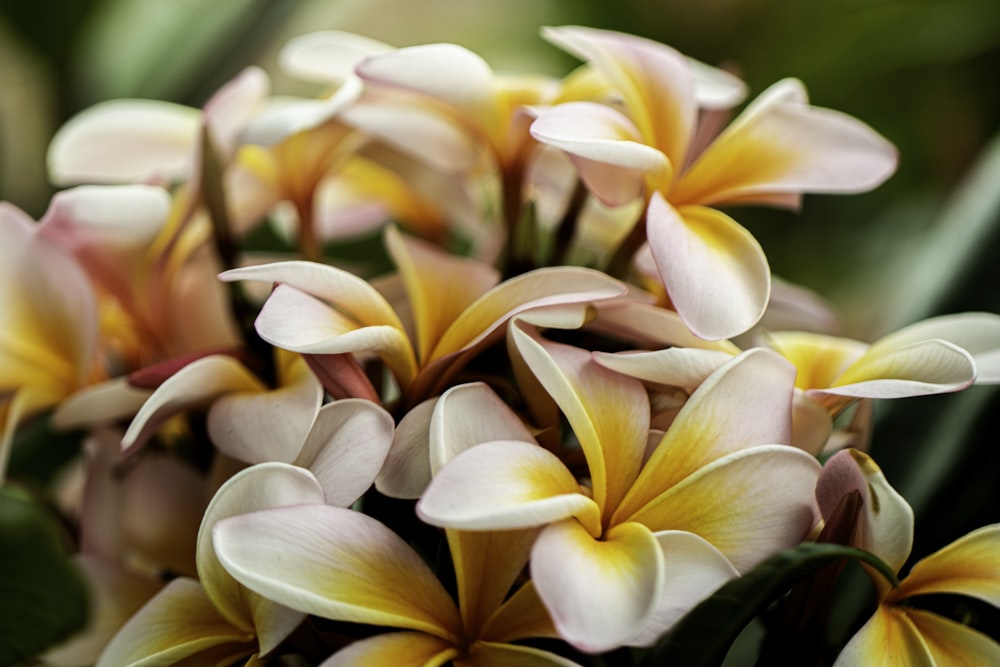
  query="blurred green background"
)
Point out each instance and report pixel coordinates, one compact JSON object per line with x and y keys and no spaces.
{"x":922,"y":72}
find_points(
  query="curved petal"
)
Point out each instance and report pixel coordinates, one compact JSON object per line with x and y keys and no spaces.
{"x":605,"y":147}
{"x":121,"y":141}
{"x":177,"y":623}
{"x":102,"y":403}
{"x":953,"y":644}
{"x":346,"y":447}
{"x":748,"y":504}
{"x":196,"y":384}
{"x":597,"y":591}
{"x":452,"y":431}
{"x":677,"y":366}
{"x":976,"y":333}
{"x":780,"y":145}
{"x":521,"y":615}
{"x":338,"y":564}
{"x":327,"y":56}
{"x":655,"y":326}
{"x":406,"y":471}
{"x":502,"y":485}
{"x":693,"y":570}
{"x":608,"y":412}
{"x":915,"y":369}
{"x":656,"y":82}
{"x":812,"y":425}
{"x":745,"y":403}
{"x":713,"y":269}
{"x":487,"y":654}
{"x":267,"y":425}
{"x":888,"y":639}
{"x":395,"y":649}
{"x":233,"y":106}
{"x":970,"y":566}
{"x":259,"y":487}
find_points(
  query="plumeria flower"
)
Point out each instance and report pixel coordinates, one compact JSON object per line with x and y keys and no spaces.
{"x":49,"y":323}
{"x":900,"y":633}
{"x":456,"y":304}
{"x":714,"y":271}
{"x":940,"y":354}
{"x":344,"y":565}
{"x":656,"y":529}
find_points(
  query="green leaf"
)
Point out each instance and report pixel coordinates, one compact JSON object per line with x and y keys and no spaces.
{"x":43,"y":599}
{"x":703,"y":636}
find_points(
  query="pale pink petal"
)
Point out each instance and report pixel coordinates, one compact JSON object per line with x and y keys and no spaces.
{"x":886,"y":520}
{"x":196,"y":384}
{"x":233,"y":106}
{"x":338,"y":564}
{"x":653,"y":326}
{"x":745,"y":403}
{"x":608,"y":412}
{"x":102,"y":403}
{"x":795,"y":308}
{"x":407,"y":469}
{"x":468,"y":415}
{"x":693,"y":570}
{"x":748,"y":504}
{"x":346,"y":448}
{"x":713,"y":269}
{"x":888,"y":639}
{"x":677,"y":366}
{"x":502,"y":485}
{"x":598,"y":591}
{"x":914,"y":369}
{"x":606,"y":148}
{"x":121,"y":141}
{"x":394,"y":649}
{"x":715,"y":88}
{"x":179,"y":622}
{"x":976,"y":333}
{"x":327,"y":56}
{"x":269,"y":425}
{"x":259,"y":487}
{"x":656,"y":82}
{"x":779,"y":146}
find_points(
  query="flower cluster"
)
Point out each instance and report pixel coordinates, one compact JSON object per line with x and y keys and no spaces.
{"x":448,"y":366}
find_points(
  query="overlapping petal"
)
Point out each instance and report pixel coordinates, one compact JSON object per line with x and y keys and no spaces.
{"x":926,"y":367}
{"x":970,"y":566}
{"x":395,"y":649}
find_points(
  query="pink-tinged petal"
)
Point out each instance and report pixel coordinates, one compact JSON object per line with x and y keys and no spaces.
{"x":796,"y":308}
{"x":468,"y":415}
{"x":342,"y":376}
{"x":115,"y":595}
{"x":653,"y":326}
{"x":745,"y":403}
{"x":121,"y":141}
{"x":269,"y":425}
{"x":888,"y":639}
{"x":103,"y":403}
{"x":395,"y":649}
{"x":693,"y":570}
{"x":346,"y":448}
{"x":260,"y":487}
{"x":608,"y":412}
{"x":502,"y":485}
{"x":446,"y":72}
{"x":338,"y":564}
{"x":421,"y":131}
{"x":521,"y":615}
{"x":487,"y":563}
{"x":677,"y":366}
{"x":178,"y":623}
{"x":976,"y":333}
{"x":487,"y":654}
{"x":886,"y":526}
{"x":969,"y":566}
{"x":953,"y":644}
{"x":713,"y":269}
{"x":407,"y":468}
{"x":656,"y":82}
{"x":327,"y":56}
{"x":233,"y":106}
{"x":606,"y":148}
{"x":196,"y":384}
{"x":748,"y":504}
{"x":597,"y":591}
{"x":439,"y":285}
{"x":716,"y":89}
{"x":915,"y":369}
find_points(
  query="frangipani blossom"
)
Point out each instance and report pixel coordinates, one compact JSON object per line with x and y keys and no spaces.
{"x":457,"y":308}
{"x":900,"y":634}
{"x":343,"y":565}
{"x":715,"y":272}
{"x":941,"y":354}
{"x":618,"y":562}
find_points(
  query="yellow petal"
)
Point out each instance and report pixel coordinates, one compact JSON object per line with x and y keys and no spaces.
{"x":888,"y":639}
{"x":970,"y":566}
{"x":952,"y":644}
{"x":395,"y":649}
